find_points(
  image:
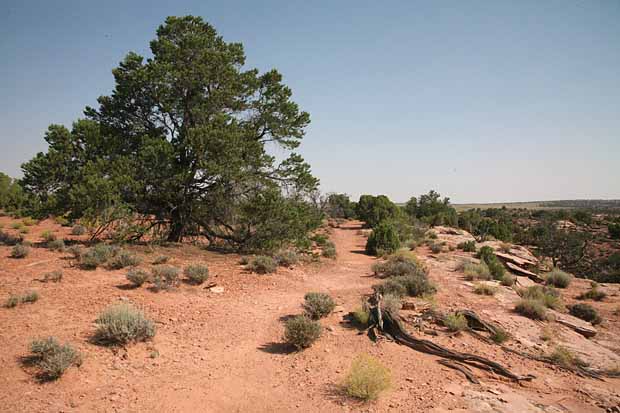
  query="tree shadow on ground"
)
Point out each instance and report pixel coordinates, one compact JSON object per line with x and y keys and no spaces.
{"x":277,"y":348}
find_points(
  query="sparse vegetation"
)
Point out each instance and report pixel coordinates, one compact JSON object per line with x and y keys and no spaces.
{"x":287,"y":258}
{"x":558,"y":278}
{"x":566,"y":358}
{"x":436,"y":247}
{"x":361,"y":315}
{"x":508,"y":280}
{"x":161,"y":259}
{"x":52,"y":276}
{"x":96,"y":256}
{"x":467,"y":246}
{"x":531,"y":308}
{"x":367,"y":378}
{"x":48,"y":236}
{"x":318,"y":305}
{"x":475,"y":271}
{"x":56,"y":245}
{"x":391,"y":303}
{"x":301,"y":331}
{"x":78,"y":230}
{"x":123,"y":259}
{"x":122,"y":324}
{"x":382,"y":238}
{"x":547,"y":296}
{"x":399,"y":264}
{"x":329,"y":250}
{"x":9,"y":239}
{"x":455,"y":322}
{"x":496,"y":268}
{"x":12,"y":301}
{"x":585,"y":312}
{"x":500,"y":335}
{"x":262,"y":264}
{"x":137,"y":277}
{"x":197,"y":273}
{"x":165,"y":277}
{"x":484,"y":289}
{"x":30,"y":297}
{"x":52,"y":358}
{"x":594,"y":293}
{"x":20,"y":251}
{"x":76,"y":251}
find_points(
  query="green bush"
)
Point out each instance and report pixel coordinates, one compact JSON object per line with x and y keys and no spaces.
{"x":76,"y":251}
{"x":48,"y":236}
{"x":455,"y":322}
{"x":62,"y":221}
{"x":329,"y":250}
{"x":122,"y":324}
{"x":565,"y":358}
{"x":412,"y":285}
{"x":301,"y":331}
{"x":287,"y":258}
{"x":496,"y":268}
{"x":361,"y":315}
{"x":558,"y":278}
{"x":30,"y":297}
{"x":165,"y":277}
{"x":486,"y":254}
{"x":593,"y":294}
{"x":244,"y":260}
{"x":392,"y":287}
{"x":17,"y":225}
{"x":29,"y":221}
{"x":531,"y":308}
{"x":508,"y":280}
{"x":137,"y":276}
{"x":548,"y":296}
{"x":123,"y":259}
{"x":53,"y":276}
{"x":484,"y":289}
{"x":318,"y":305}
{"x":474,"y":271}
{"x":436,"y":247}
{"x":467,"y":246}
{"x":197,"y":273}
{"x":52,"y":358}
{"x":56,"y":245}
{"x":9,"y":239}
{"x":12,"y":301}
{"x":262,"y":264}
{"x":78,"y":230}
{"x":382,"y":238}
{"x":367,"y":378}
{"x":96,"y":256}
{"x":500,"y":335}
{"x":320,"y":239}
{"x":399,"y":264}
{"x":585,"y":312}
{"x":20,"y":251}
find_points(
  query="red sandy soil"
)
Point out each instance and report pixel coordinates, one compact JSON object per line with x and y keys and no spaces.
{"x":223,"y":352}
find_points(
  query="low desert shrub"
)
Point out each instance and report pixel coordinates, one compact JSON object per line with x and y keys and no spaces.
{"x":558,"y":278}
{"x":436,"y":247}
{"x":30,"y":297}
{"x":12,"y":301}
{"x":367,"y":378}
{"x":197,"y":273}
{"x":78,"y":230}
{"x":52,"y":358}
{"x":548,"y":296}
{"x":585,"y":312}
{"x":123,"y":259}
{"x":20,"y":251}
{"x":320,"y":239}
{"x":484,"y":289}
{"x":287,"y":258}
{"x":76,"y":251}
{"x":52,"y":276}
{"x":508,"y":280}
{"x":593,"y":294}
{"x":399,"y":264}
{"x":137,"y":277}
{"x":565,"y":358}
{"x":161,"y":259}
{"x":96,"y":256}
{"x":496,"y":268}
{"x":500,"y":335}
{"x":301,"y":331}
{"x":9,"y":239}
{"x":62,"y":221}
{"x":262,"y":264}
{"x":391,"y":303}
{"x":165,"y":277}
{"x":431,"y":235}
{"x":29,"y":221}
{"x":361,"y":315}
{"x":392,"y":287}
{"x":17,"y":225}
{"x":531,"y":308}
{"x":48,"y":236}
{"x":475,"y":271}
{"x":383,"y":237}
{"x":56,"y":245}
{"x":416,"y":285}
{"x":467,"y":246}
{"x":329,"y":250}
{"x":318,"y":305}
{"x":244,"y":260}
{"x":122,"y":324}
{"x":455,"y":322}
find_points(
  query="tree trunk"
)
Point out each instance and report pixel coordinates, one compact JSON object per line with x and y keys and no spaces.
{"x":177,"y":227}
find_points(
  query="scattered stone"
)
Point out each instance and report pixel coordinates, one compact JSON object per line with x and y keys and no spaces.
{"x":217,"y":290}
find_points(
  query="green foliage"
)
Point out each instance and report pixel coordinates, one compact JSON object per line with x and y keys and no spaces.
{"x":121,"y":324}
{"x":76,"y":251}
{"x":500,"y":335}
{"x":262,"y":264}
{"x":382,"y":238}
{"x":20,"y":251}
{"x":455,"y":322}
{"x":320,"y":239}
{"x":431,"y":209}
{"x":123,"y":259}
{"x":30,"y":297}
{"x":412,"y":285}
{"x":436,"y":247}
{"x":96,"y":256}
{"x":614,"y":230}
{"x":467,"y":246}
{"x":48,"y":236}
{"x":367,"y":378}
{"x":392,"y":286}
{"x":287,"y":258}
{"x":165,"y":277}
{"x":12,"y":197}
{"x":496,"y":268}
{"x":399,"y":264}
{"x":484,"y":289}
{"x":9,"y":239}
{"x":78,"y":230}
{"x":508,"y":280}
{"x":593,"y":294}
{"x":565,"y":358}
{"x":329,"y":250}
{"x":475,"y":271}
{"x":376,"y":209}
{"x":548,"y":296}
{"x":137,"y":276}
{"x":56,"y":245}
{"x":361,"y":316}
{"x":52,"y":358}
{"x":301,"y":331}
{"x":586,"y":312}
{"x":12,"y":301}
{"x":28,"y":221}
{"x":318,"y":305}
{"x":566,"y":247}
{"x":184,"y":139}
{"x":52,"y":276}
{"x":197,"y":273}
{"x":531,"y":308}
{"x":558,"y":278}
{"x":340,"y":206}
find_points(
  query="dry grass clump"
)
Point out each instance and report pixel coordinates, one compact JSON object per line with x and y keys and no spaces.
{"x":137,"y":277}
{"x":262,"y":264}
{"x":161,"y":259}
{"x":391,"y":303}
{"x":197,"y":273}
{"x":593,"y":294}
{"x":475,"y":271}
{"x":123,"y":259}
{"x":52,"y":276}
{"x":399,"y":264}
{"x":508,"y":280}
{"x":361,"y":315}
{"x":52,"y":358}
{"x":565,"y":358}
{"x":96,"y":256}
{"x":56,"y":245}
{"x":287,"y":258}
{"x":318,"y":305}
{"x":122,"y":324}
{"x":78,"y":230}
{"x":585,"y":312}
{"x":558,"y":278}
{"x":48,"y":236}
{"x":531,"y":308}
{"x":9,"y":239}
{"x":548,"y":296}
{"x":367,"y":378}
{"x":484,"y":289}
{"x":329,"y":250}
{"x":455,"y":322}
{"x":301,"y":331}
{"x":500,"y":335}
{"x":20,"y":251}
{"x":165,"y":277}
{"x":28,"y":221}
{"x":14,"y":300}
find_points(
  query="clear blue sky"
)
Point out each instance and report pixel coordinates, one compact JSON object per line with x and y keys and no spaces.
{"x":481,"y":100}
